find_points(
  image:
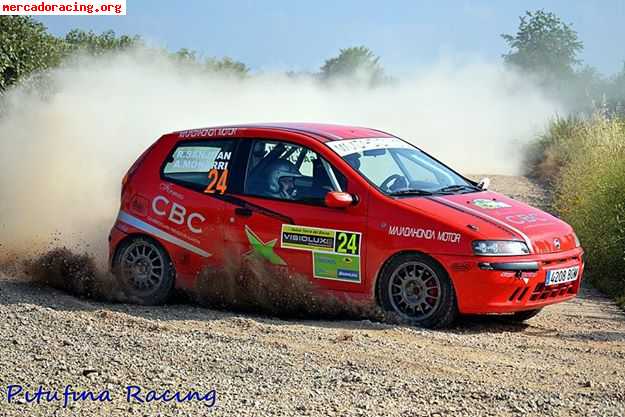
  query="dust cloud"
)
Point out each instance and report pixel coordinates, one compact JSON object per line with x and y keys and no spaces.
{"x":63,"y":153}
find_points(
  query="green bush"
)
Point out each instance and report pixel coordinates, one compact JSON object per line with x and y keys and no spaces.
{"x":584,"y":161}
{"x":545,"y":157}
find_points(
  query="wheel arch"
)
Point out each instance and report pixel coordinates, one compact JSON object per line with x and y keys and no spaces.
{"x":376,"y":285}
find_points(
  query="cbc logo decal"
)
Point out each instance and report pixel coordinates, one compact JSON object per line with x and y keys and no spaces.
{"x":525,"y":218}
{"x":177,"y":214}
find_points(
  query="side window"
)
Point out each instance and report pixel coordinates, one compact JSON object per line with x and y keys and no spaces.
{"x":290,"y":172}
{"x":200,"y":165}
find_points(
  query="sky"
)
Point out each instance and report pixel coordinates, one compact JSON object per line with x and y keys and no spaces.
{"x":407,"y":34}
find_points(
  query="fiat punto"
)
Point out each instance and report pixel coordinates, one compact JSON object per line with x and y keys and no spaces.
{"x":358,"y":212}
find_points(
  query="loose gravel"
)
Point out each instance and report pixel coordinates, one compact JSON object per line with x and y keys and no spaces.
{"x":567,"y":361}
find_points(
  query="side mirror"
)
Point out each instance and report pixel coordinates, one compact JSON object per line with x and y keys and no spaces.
{"x":484,"y":183}
{"x":335,"y":199}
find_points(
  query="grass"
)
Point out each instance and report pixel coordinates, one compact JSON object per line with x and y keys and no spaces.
{"x":583,"y":161}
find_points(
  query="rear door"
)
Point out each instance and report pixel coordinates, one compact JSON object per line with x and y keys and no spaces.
{"x":286,"y":223}
{"x":188,"y":204}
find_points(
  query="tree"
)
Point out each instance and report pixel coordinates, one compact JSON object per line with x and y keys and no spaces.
{"x":544,"y":45}
{"x":227,"y":66}
{"x":616,"y":92}
{"x":355,"y":63}
{"x":26,"y":47}
{"x":185,"y":57}
{"x":94,"y":44}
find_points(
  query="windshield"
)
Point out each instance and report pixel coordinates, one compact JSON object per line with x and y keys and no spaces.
{"x":397,"y":168}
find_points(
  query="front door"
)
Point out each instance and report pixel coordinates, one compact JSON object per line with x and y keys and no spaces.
{"x":284,"y":222}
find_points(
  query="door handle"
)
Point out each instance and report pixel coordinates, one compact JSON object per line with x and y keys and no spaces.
{"x":243,"y":212}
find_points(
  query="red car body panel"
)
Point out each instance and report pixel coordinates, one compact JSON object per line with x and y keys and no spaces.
{"x":200,"y":231}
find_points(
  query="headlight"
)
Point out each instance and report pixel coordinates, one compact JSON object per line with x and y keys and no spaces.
{"x":577,"y":242}
{"x":499,"y":248}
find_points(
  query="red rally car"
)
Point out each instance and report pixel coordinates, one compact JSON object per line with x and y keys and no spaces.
{"x":357,"y":211}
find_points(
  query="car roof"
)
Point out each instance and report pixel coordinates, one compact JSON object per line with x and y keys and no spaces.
{"x":321,"y":131}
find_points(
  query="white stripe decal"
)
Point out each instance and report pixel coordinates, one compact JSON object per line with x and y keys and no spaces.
{"x":141,"y":225}
{"x":527,"y":240}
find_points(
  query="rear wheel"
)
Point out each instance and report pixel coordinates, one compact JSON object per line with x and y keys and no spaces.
{"x":521,"y":316}
{"x":144,"y":271}
{"x":418,"y":291}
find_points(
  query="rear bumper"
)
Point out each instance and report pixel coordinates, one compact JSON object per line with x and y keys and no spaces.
{"x":116,"y":235}
{"x":508,"y":284}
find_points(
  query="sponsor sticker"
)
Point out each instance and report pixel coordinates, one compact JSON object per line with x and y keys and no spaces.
{"x":490,"y":204}
{"x":218,"y":175}
{"x":307,"y":238}
{"x":347,"y":147}
{"x":178,"y":214}
{"x":336,"y":253}
{"x":193,"y":159}
{"x":208,"y":132}
{"x":168,"y":188}
{"x":427,"y":234}
{"x":336,"y":266}
{"x":526,"y":218}
{"x":263,"y":249}
{"x":161,"y":232}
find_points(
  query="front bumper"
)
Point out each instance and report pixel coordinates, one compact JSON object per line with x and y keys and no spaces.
{"x":508,"y":284}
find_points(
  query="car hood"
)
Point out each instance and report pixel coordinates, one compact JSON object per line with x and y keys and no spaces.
{"x":542,"y":231}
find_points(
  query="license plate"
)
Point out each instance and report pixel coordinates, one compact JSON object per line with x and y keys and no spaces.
{"x":560,"y":276}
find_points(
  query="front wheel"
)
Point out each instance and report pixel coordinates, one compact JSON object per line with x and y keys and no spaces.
{"x":418,"y":291}
{"x":144,"y":271}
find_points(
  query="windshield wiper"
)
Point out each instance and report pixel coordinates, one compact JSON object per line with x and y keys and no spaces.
{"x":411,"y":191}
{"x":458,"y":187}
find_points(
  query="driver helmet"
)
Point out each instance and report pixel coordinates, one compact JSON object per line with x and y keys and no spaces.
{"x":278,"y":171}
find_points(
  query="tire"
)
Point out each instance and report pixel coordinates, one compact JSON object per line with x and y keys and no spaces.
{"x":521,"y":316}
{"x":417,"y":290}
{"x":144,"y":271}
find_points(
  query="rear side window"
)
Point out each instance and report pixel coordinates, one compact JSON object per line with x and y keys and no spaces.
{"x":200,"y":165}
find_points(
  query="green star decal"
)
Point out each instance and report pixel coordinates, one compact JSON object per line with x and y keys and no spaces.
{"x":265,"y":250}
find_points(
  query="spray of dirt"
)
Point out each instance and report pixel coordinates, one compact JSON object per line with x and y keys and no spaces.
{"x":62,"y":156}
{"x":63,"y":269}
{"x":256,"y":286}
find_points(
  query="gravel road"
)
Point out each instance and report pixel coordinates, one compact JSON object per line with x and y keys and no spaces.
{"x":568,"y":361}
